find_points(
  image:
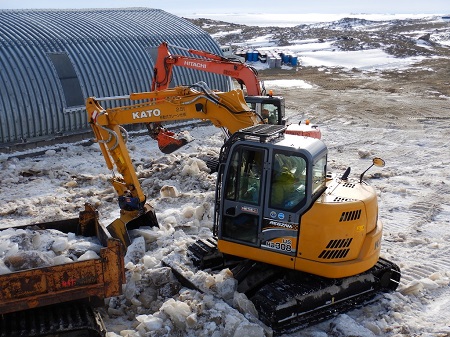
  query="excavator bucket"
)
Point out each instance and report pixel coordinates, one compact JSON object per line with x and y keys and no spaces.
{"x":146,"y":219}
{"x":119,"y":228}
{"x":169,"y":142}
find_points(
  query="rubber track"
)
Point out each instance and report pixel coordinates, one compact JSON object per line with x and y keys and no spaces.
{"x":293,"y":302}
{"x":62,"y":320}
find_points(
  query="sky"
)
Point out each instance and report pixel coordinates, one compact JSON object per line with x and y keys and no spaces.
{"x":249,"y":6}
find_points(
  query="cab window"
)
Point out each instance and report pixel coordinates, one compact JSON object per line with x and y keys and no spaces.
{"x":270,"y":113}
{"x":288,"y":181}
{"x":319,"y":172}
{"x":243,"y":186}
{"x":252,"y":106}
{"x":244,"y":176}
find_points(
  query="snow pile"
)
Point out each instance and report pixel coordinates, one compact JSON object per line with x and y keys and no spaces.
{"x":195,"y":314}
{"x":22,"y":249}
{"x":288,"y":84}
{"x":154,"y":303}
{"x":325,"y":54}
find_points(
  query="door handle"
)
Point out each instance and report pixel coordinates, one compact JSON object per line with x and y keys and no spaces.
{"x":231,"y":211}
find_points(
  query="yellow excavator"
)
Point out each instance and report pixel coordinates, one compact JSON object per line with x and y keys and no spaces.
{"x":303,"y":244}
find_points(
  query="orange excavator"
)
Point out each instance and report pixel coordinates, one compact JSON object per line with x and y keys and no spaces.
{"x":302,"y":243}
{"x":270,"y":107}
{"x":244,"y":74}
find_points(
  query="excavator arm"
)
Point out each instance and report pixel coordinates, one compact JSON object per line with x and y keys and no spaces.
{"x":206,"y":61}
{"x":226,"y":110}
{"x":110,"y":137}
{"x":223,"y":109}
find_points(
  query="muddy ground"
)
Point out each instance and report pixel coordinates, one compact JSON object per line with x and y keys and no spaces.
{"x":386,"y":99}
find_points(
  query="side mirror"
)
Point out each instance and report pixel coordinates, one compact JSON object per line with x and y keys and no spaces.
{"x":378,"y":162}
{"x":375,"y":162}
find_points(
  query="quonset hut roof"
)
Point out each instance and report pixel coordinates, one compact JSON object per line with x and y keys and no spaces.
{"x":52,"y":60}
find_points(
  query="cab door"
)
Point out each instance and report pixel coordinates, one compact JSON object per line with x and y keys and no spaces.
{"x":242,"y":197}
{"x":286,"y":202}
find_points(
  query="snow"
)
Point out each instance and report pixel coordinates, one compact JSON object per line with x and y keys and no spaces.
{"x":365,"y":60}
{"x":263,"y":19}
{"x":412,"y":188}
{"x":326,"y":55}
{"x":22,"y":249}
{"x":288,"y":84}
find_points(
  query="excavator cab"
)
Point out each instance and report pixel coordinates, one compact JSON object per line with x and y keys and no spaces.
{"x":266,"y":183}
{"x":270,"y":108}
{"x":275,"y":204}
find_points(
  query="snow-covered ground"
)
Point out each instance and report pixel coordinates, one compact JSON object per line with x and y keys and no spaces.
{"x":414,"y":196}
{"x":263,"y":19}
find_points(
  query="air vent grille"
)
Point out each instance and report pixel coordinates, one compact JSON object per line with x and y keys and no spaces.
{"x":348,"y":185}
{"x":336,"y":249}
{"x":341,"y":199}
{"x":350,"y":215}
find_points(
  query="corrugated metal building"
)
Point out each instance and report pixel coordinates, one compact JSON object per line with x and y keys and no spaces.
{"x":51,"y":60}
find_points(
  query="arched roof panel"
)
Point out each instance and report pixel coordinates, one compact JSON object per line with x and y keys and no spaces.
{"x":51,"y":60}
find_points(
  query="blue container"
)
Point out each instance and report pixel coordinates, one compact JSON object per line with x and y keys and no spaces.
{"x":255,"y":56}
{"x":252,"y":56}
{"x":294,"y":60}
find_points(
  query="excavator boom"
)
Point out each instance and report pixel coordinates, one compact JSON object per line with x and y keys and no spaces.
{"x":223,"y":109}
{"x":208,"y":62}
{"x":269,"y":106}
